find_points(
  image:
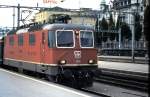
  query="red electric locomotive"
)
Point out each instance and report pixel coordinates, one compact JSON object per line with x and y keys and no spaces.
{"x":1,"y":51}
{"x":63,"y":52}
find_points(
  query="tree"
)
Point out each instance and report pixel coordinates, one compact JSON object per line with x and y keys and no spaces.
{"x":104,"y":24}
{"x":98,"y":34}
{"x":125,"y":31}
{"x":147,"y":24}
{"x":118,"y":24}
{"x":146,"y":21}
{"x":111,"y":24}
{"x":112,"y":36}
{"x":97,"y":39}
{"x":138,"y":27}
{"x":97,"y":25}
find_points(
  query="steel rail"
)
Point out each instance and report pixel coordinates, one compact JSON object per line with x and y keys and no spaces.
{"x":124,"y":79}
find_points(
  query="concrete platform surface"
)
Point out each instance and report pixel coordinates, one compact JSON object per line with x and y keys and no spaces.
{"x":124,"y":57}
{"x":16,"y":85}
{"x":133,"y":67}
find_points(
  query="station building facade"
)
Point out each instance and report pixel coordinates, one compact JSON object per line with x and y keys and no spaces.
{"x":84,"y":16}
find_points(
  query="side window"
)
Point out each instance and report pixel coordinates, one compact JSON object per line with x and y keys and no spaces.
{"x":11,"y":40}
{"x":31,"y":39}
{"x":5,"y":42}
{"x":20,"y":39}
{"x":43,"y":38}
{"x":51,"y":39}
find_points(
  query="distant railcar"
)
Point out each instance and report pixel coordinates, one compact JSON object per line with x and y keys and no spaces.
{"x":63,"y":52}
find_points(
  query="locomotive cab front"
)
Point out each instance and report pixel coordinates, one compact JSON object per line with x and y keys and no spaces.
{"x":74,"y":54}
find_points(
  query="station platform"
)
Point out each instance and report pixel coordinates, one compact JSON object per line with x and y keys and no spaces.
{"x":17,"y":85}
{"x":132,"y":67}
{"x":125,"y":59}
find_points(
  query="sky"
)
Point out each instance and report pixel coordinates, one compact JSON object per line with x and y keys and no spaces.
{"x":6,"y":16}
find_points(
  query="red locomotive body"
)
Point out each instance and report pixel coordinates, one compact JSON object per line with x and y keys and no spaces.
{"x":1,"y":51}
{"x":63,"y":52}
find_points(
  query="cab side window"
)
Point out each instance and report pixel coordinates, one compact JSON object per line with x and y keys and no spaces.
{"x":11,"y":40}
{"x":20,"y":40}
{"x":31,"y":39}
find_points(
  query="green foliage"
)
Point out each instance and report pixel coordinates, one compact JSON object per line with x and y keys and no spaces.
{"x":104,"y":36}
{"x":111,"y":24}
{"x":138,"y":27}
{"x":146,"y":22}
{"x":96,"y":24}
{"x":137,"y":17}
{"x":104,"y":24}
{"x":118,"y":24}
{"x":113,"y":36}
{"x":138,"y":31}
{"x":125,"y":31}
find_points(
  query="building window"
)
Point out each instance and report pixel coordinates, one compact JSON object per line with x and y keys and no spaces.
{"x":11,"y":40}
{"x":129,"y":1}
{"x":20,"y":39}
{"x":121,"y":3}
{"x":31,"y":39}
{"x":125,"y":3}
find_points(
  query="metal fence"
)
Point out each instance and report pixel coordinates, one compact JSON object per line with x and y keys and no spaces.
{"x":141,"y":44}
{"x":124,"y":48}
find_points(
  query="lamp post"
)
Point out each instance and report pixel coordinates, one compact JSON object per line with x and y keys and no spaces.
{"x":13,"y":18}
{"x":133,"y":36}
{"x":119,"y":32}
{"x":18,"y":19}
{"x":133,"y":29}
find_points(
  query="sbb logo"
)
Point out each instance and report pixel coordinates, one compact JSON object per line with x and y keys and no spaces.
{"x":77,"y":54}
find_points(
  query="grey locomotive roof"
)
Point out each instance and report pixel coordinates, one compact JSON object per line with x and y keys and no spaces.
{"x":24,"y":30}
{"x":66,"y":27}
{"x":51,"y":27}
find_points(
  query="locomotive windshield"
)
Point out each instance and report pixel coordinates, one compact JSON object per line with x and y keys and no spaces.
{"x":86,"y":38}
{"x":65,"y":38}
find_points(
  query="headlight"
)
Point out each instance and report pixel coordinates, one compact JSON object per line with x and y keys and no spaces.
{"x":91,"y":61}
{"x":62,"y":61}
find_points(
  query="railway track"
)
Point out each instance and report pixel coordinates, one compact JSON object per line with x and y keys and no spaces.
{"x":133,"y":80}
